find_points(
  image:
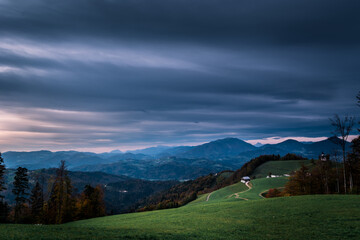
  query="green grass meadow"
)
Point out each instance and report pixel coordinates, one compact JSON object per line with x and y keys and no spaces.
{"x":303,"y":217}
{"x":222,"y":217}
{"x":258,"y":186}
{"x":262,"y":185}
{"x":221,"y":194}
{"x":278,"y":167}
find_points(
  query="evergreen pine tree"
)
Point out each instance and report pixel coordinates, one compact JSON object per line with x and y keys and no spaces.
{"x":37,"y":203}
{"x":21,"y":184}
{"x":2,"y":178}
{"x":61,"y":204}
{"x":4,"y":208}
{"x":4,"y":212}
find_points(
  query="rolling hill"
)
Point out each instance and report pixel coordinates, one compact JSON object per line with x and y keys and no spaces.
{"x":278,"y":168}
{"x":223,"y":217}
{"x":233,"y":212}
{"x":239,"y":191}
{"x":184,"y":192}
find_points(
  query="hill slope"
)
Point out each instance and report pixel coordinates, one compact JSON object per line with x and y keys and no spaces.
{"x":239,"y":191}
{"x":278,"y":167}
{"x":308,"y":217}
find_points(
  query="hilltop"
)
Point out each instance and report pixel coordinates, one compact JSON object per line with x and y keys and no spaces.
{"x":222,"y":148}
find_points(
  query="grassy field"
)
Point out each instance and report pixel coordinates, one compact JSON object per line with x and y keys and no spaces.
{"x":262,"y":185}
{"x":222,"y":193}
{"x":303,"y":217}
{"x":278,"y":167}
{"x":243,"y":192}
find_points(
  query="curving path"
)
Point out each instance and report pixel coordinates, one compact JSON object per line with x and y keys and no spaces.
{"x":208,"y":196}
{"x":254,"y":189}
{"x":237,"y":194}
{"x":234,"y":194}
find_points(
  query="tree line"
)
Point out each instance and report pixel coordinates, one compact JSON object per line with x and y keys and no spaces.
{"x":329,"y":176}
{"x":55,"y":205}
{"x":337,"y":172}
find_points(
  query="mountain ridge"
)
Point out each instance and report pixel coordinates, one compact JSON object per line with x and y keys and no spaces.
{"x":226,"y":147}
{"x":173,"y":162}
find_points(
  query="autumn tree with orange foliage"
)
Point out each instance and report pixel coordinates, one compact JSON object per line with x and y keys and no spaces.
{"x":273,"y":192}
{"x":90,"y":204}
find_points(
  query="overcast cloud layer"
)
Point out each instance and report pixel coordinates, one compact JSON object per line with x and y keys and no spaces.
{"x":102,"y":74}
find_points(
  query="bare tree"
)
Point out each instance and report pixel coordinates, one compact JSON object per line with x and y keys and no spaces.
{"x":358,"y":103}
{"x":336,"y":160}
{"x":342,"y":128}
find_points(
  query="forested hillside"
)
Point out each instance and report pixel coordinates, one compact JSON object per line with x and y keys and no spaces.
{"x":120,"y":192}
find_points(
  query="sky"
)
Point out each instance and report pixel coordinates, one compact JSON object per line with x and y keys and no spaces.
{"x":98,"y":75}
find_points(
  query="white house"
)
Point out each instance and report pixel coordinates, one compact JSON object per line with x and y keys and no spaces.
{"x":245,"y":179}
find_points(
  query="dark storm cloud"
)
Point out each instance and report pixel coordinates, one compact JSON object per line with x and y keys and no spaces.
{"x":280,"y":22}
{"x":108,"y":73}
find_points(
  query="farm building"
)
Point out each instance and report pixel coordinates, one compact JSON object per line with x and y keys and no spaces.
{"x":245,"y":179}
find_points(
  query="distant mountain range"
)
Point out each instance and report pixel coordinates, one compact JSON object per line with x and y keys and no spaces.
{"x":222,"y":148}
{"x":152,"y":151}
{"x":164,"y":163}
{"x":234,"y":147}
{"x":172,"y":168}
{"x":47,"y":159}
